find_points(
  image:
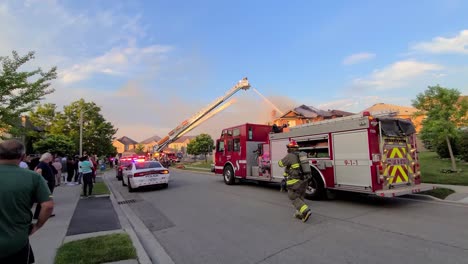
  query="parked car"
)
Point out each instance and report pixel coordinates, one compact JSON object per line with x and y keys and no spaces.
{"x":145,"y":173}
{"x":123,"y":163}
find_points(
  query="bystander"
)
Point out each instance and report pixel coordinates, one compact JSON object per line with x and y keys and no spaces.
{"x":19,"y":189}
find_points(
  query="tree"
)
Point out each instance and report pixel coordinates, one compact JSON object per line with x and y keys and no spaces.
{"x":201,"y":145}
{"x":56,"y":144}
{"x":20,"y":91}
{"x":443,"y":115}
{"x":43,"y":116}
{"x":140,"y":149}
{"x":97,"y":132}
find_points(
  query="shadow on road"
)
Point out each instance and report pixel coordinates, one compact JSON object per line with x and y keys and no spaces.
{"x":341,"y":196}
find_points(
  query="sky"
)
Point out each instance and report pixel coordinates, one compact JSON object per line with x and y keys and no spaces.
{"x":152,"y":64}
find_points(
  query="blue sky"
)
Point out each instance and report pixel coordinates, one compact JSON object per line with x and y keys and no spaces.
{"x":152,"y":64}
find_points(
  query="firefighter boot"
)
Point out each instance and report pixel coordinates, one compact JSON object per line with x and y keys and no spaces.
{"x":306,"y":215}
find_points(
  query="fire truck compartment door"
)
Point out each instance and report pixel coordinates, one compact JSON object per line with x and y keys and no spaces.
{"x":351,"y":157}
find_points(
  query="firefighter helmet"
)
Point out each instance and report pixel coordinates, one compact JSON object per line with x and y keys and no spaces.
{"x":292,"y":144}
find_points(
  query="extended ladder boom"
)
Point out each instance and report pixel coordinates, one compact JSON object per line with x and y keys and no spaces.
{"x":191,"y":123}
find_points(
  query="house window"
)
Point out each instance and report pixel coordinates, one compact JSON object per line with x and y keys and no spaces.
{"x":126,"y":147}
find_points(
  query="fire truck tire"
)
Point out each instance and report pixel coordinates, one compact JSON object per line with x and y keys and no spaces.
{"x":315,"y":189}
{"x":228,"y":175}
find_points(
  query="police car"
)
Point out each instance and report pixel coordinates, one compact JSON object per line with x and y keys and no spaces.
{"x":145,"y":173}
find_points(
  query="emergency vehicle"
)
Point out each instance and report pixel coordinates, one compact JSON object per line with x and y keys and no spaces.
{"x":358,"y":153}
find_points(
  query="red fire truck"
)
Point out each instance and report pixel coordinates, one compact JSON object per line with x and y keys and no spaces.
{"x":359,"y":153}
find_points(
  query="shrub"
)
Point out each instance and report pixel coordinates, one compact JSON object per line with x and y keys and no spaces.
{"x":463,"y":146}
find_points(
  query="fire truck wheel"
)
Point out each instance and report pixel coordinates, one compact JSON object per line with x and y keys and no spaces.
{"x":228,"y":175}
{"x":315,"y":190}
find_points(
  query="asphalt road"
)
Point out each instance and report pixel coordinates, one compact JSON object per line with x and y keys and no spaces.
{"x":199,"y":219}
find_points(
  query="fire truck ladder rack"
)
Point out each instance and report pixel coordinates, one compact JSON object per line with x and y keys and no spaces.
{"x":194,"y":121}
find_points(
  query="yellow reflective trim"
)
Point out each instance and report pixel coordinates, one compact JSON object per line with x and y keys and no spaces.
{"x":291,"y":182}
{"x":280,"y":163}
{"x":295,"y":166}
{"x":303,"y":208}
{"x":285,"y":174}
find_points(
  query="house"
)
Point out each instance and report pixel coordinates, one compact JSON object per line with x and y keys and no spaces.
{"x":124,"y":144}
{"x":180,"y":145}
{"x":404,"y":112}
{"x":149,"y":143}
{"x":307,"y":114}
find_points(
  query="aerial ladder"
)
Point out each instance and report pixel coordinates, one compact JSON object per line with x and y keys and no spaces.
{"x":198,"y":118}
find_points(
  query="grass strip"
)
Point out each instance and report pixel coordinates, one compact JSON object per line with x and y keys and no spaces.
{"x":96,"y":250}
{"x":440,"y":193}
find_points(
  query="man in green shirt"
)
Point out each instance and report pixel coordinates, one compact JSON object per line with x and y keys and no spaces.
{"x":19,"y":189}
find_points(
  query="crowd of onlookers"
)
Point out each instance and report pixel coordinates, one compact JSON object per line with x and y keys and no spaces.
{"x":28,"y":180}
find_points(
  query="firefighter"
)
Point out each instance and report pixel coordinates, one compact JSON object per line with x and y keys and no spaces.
{"x":296,"y":183}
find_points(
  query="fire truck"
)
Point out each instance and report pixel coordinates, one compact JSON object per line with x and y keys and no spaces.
{"x":360,"y":153}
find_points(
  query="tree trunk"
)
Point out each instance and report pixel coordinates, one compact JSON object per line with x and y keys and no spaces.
{"x":206,"y":159}
{"x":452,"y":158}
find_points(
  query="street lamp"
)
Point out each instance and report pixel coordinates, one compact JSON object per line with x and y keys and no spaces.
{"x":81,"y":130}
{"x":81,"y":133}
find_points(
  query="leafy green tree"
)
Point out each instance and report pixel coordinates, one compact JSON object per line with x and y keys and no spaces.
{"x":140,"y":149}
{"x":56,"y":144}
{"x":21,"y":90}
{"x":97,"y":132}
{"x":43,"y":116}
{"x":443,"y":113}
{"x":202,"y":145}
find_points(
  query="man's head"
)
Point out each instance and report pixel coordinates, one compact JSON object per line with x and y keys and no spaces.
{"x":46,"y":157}
{"x":11,"y":151}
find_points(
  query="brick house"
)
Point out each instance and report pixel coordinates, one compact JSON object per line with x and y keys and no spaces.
{"x":307,"y":114}
{"x":124,"y":144}
{"x":149,"y":143}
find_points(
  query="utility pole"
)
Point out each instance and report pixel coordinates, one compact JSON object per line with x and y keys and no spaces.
{"x":81,"y":133}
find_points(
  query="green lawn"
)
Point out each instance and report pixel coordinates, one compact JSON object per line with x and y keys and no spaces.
{"x":198,"y":164}
{"x":440,"y":193}
{"x":432,"y":166}
{"x":96,"y":250}
{"x":100,"y":188}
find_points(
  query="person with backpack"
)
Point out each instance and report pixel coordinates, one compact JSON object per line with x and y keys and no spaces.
{"x":296,"y":184}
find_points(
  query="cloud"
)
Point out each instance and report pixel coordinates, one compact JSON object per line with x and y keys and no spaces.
{"x":117,"y":61}
{"x":358,"y":57}
{"x":396,"y":75}
{"x":455,"y":45}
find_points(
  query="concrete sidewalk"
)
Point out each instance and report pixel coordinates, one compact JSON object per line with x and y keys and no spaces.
{"x":54,"y":233}
{"x":460,"y":195}
{"x":50,"y":237}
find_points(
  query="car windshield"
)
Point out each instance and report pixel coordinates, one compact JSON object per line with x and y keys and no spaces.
{"x":148,"y":165}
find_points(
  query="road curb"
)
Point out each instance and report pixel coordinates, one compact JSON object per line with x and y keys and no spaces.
{"x":150,"y":248}
{"x":143,"y":257}
{"x":426,"y":197}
